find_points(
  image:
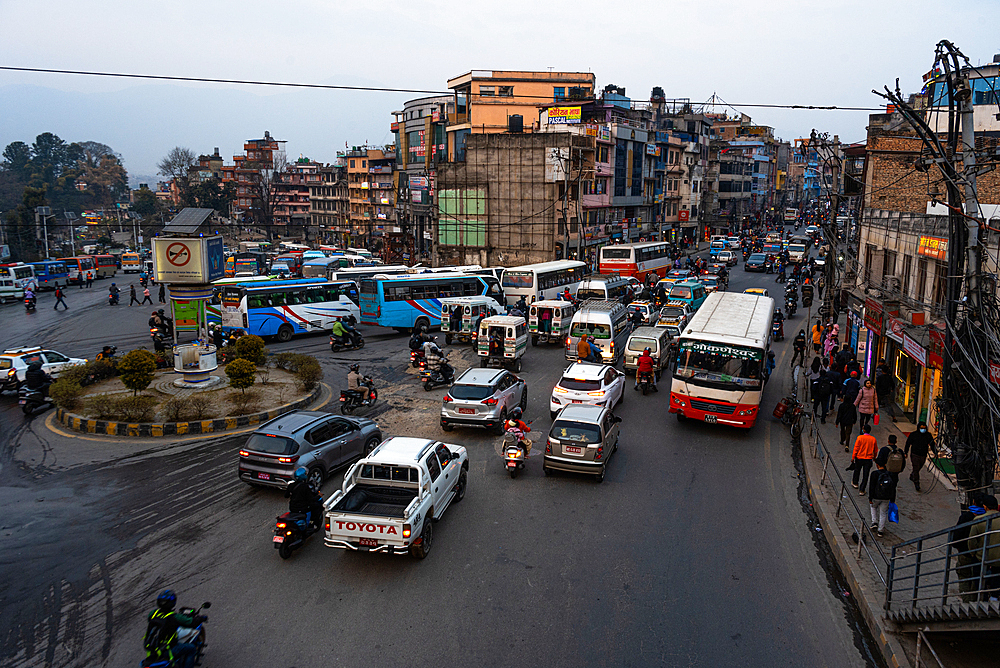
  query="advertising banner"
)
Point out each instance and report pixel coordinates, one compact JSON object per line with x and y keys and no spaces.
{"x":564,"y":115}
{"x":934,"y":247}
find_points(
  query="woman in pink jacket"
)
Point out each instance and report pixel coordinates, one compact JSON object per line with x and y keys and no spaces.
{"x":867,"y":402}
{"x":831,"y":342}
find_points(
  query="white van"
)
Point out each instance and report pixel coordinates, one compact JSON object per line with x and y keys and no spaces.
{"x":611,"y":287}
{"x":607,"y":321}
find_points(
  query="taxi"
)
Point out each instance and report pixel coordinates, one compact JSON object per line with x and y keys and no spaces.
{"x":756,"y":291}
{"x":14,"y":364}
{"x":674,"y":314}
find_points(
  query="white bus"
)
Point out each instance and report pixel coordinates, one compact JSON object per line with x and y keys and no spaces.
{"x":721,"y":367}
{"x":20,"y":275}
{"x":544,"y":280}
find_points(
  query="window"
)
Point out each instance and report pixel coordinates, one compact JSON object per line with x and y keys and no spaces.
{"x":506,"y":91}
{"x":487,"y":91}
{"x":940,"y":283}
{"x":54,"y":357}
{"x":602,"y":154}
{"x":444,"y":455}
{"x":921,"y":278}
{"x":433,"y":466}
{"x":352,"y":165}
{"x":364,"y":164}
{"x":558,"y":93}
{"x":320,"y":434}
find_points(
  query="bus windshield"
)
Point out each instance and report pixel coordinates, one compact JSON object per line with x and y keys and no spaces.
{"x":719,"y":366}
{"x":518,"y":279}
{"x":616,"y":253}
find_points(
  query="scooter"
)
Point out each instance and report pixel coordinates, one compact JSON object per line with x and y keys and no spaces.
{"x":646,"y":382}
{"x":417,"y":358}
{"x":159,"y":339}
{"x":516,"y":448}
{"x":790,"y":306}
{"x":194,"y":636}
{"x":291,"y":531}
{"x":777,"y":330}
{"x":443,"y":375}
{"x":351,"y":399}
{"x":32,"y":400}
{"x":29,"y":304}
{"x":112,"y":299}
{"x":355,"y":342}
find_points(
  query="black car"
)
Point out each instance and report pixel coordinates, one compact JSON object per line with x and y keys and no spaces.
{"x":756,"y":262}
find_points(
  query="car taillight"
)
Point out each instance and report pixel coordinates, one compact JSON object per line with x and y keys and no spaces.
{"x":327,"y":525}
{"x":596,"y":394}
{"x":447,"y":399}
{"x":244,"y":453}
{"x":288,"y":460}
{"x":491,"y":401}
{"x":406,"y":530}
{"x":560,"y":390}
{"x":600,"y":452}
{"x":548,"y":447}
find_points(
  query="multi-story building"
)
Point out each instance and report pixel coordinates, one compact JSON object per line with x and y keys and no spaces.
{"x":329,"y":204}
{"x":291,"y":197}
{"x":253,"y":175}
{"x":370,"y":194}
{"x":759,"y":145}
{"x":735,"y":170}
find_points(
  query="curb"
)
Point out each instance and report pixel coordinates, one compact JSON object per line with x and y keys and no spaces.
{"x":868,"y":603}
{"x":154,"y":429}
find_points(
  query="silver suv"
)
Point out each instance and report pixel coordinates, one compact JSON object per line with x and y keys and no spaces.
{"x":321,"y":442}
{"x":483,"y":398}
{"x":582,"y":440}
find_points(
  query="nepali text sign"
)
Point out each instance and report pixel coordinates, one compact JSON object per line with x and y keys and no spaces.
{"x":914,"y":350}
{"x":873,"y":315}
{"x":710,"y":348}
{"x":896,"y":329}
{"x":934,"y":247}
{"x":564,"y":115}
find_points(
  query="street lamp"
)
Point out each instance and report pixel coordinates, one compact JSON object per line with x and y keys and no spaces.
{"x":71,"y":221}
{"x":44,"y":212}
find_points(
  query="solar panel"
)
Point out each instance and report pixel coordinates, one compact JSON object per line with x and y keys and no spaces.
{"x":187,"y":221}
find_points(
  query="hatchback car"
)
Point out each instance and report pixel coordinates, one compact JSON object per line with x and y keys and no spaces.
{"x":483,"y":398}
{"x":587,"y":383}
{"x":756,"y":262}
{"x":14,"y":364}
{"x":320,"y":442}
{"x":582,"y":440}
{"x":734,"y":243}
{"x":728,"y":257}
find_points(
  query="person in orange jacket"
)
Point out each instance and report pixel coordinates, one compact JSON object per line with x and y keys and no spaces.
{"x":865,"y":448}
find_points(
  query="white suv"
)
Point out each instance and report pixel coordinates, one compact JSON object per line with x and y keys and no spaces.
{"x":483,"y":398}
{"x":588,"y":383}
{"x":14,"y":364}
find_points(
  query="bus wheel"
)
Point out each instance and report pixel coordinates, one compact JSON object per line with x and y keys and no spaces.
{"x":420,"y":324}
{"x":284,"y":334}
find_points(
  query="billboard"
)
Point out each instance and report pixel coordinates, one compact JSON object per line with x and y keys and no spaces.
{"x":934,"y":247}
{"x":188,"y":260}
{"x":564,"y":115}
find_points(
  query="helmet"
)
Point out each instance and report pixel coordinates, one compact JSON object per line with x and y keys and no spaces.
{"x":516,"y":413}
{"x":647,"y":351}
{"x":301,"y":474}
{"x":511,"y":424}
{"x":35,"y":366}
{"x":423,"y":328}
{"x":160,"y":311}
{"x":166,"y":600}
{"x":854,"y":374}
{"x":355,"y":367}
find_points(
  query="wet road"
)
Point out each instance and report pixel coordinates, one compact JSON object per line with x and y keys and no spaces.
{"x":696,"y":550}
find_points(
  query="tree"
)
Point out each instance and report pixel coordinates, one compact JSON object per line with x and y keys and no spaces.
{"x":21,"y":234}
{"x":136,"y":370}
{"x":251,"y":348}
{"x":176,"y":163}
{"x":93,"y":151}
{"x":213,"y":194}
{"x":17,"y":159}
{"x":144,"y":203}
{"x":262,"y":176}
{"x":241,"y":373}
{"x":50,"y":156}
{"x":106,"y":180}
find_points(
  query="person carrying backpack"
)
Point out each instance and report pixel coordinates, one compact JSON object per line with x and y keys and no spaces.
{"x":161,"y":642}
{"x":881,"y":491}
{"x":847,"y":417}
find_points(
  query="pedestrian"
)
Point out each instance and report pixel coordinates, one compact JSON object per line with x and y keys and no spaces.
{"x":867,"y":403}
{"x":817,"y":336}
{"x":812,"y":375}
{"x":917,"y":446}
{"x":163,"y":294}
{"x":131,"y":297}
{"x":862,"y":457}
{"x":822,"y":389}
{"x":820,"y":284}
{"x":881,"y":491}
{"x":885,"y":386}
{"x":987,"y":550}
{"x":59,"y":299}
{"x":799,"y":347}
{"x":90,"y":279}
{"x":847,"y":417}
{"x":146,"y":299}
{"x":968,"y":567}
{"x":831,"y":343}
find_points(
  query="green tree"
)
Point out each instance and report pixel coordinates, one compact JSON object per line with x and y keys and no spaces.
{"x":136,"y":370}
{"x":212,"y":194}
{"x":17,"y":159}
{"x":241,"y":373}
{"x":144,"y":203}
{"x":21,"y":225}
{"x":251,"y":348}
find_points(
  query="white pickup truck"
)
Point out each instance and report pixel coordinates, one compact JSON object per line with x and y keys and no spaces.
{"x":391,"y":498}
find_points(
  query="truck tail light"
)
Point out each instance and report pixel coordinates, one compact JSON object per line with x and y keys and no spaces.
{"x":406,"y":530}
{"x":327,"y":526}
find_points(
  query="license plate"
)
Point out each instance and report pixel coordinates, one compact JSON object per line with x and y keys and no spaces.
{"x":368,"y":542}
{"x":511,"y":465}
{"x":279,"y":539}
{"x":22,"y":402}
{"x":576,"y":401}
{"x":711,"y":418}
{"x":467,"y":411}
{"x":263,"y":476}
{"x":572,"y":450}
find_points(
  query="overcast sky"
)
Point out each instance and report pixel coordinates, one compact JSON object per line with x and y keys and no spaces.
{"x":776,"y":51}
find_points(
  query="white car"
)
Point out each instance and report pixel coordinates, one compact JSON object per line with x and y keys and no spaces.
{"x":14,"y":364}
{"x":588,"y":383}
{"x":635,"y":284}
{"x":733,"y":242}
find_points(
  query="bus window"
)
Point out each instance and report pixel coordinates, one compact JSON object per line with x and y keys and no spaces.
{"x":276,"y":299}
{"x":256,"y":301}
{"x":352,"y":293}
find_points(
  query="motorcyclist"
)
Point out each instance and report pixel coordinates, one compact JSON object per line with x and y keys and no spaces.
{"x":354,"y":382}
{"x":29,"y":296}
{"x":161,"y":640}
{"x":515,"y":417}
{"x":167,"y":322}
{"x":303,"y":498}
{"x":417,"y":339}
{"x":36,"y":379}
{"x":646,"y":366}
{"x":433,"y":352}
{"x":521,"y":305}
{"x":779,"y":318}
{"x":637,"y":318}
{"x":516,"y":426}
{"x":154,"y":320}
{"x":113,"y":292}
{"x":106,"y":353}
{"x":595,"y":354}
{"x":338,"y":331}
{"x":350,"y":324}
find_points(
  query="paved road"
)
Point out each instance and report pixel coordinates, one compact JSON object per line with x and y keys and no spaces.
{"x":696,"y":550}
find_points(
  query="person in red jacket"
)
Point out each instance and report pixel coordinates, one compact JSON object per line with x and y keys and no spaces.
{"x":865,"y":448}
{"x":646,"y":365}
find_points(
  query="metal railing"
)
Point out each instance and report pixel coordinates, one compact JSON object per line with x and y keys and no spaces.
{"x":946,"y":567}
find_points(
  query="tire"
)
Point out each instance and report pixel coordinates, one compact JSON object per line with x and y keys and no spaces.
{"x":546,"y":470}
{"x":534,"y":341}
{"x":645,"y":389}
{"x":552,"y":415}
{"x":483,"y":362}
{"x":524,"y":399}
{"x":600,"y":476}
{"x":447,"y":339}
{"x":796,"y":428}
{"x":27,"y":408}
{"x":463,"y":481}
{"x":427,"y":386}
{"x":502,"y":421}
{"x":284,"y":334}
{"x":426,"y":539}
{"x":681,"y":417}
{"x":345,"y":409}
{"x":374,"y":395}
{"x":361,"y":344}
{"x":421,"y":322}
{"x":513,"y":472}
{"x":517,"y":365}
{"x":370,"y":445}
{"x":284,"y":551}
{"x":447,"y":427}
{"x":316,"y":477}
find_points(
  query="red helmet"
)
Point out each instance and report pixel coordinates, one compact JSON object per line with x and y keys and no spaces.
{"x":854,"y":374}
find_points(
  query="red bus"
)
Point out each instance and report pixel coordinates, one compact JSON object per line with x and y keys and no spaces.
{"x":80,"y":267}
{"x":636,"y":259}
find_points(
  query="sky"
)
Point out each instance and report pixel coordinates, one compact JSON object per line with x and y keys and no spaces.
{"x":813,"y":52}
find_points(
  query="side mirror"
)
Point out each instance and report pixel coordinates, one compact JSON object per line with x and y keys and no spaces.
{"x":206,"y":605}
{"x":615,"y":419}
{"x":455,"y":455}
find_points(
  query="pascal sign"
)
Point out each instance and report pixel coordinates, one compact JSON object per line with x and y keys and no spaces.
{"x":190,"y":260}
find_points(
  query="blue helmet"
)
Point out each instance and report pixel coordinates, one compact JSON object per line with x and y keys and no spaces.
{"x":301,"y":474}
{"x":166,"y":600}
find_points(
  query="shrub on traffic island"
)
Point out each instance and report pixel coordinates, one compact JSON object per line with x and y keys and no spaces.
{"x":251,"y":348}
{"x":139,"y":408}
{"x":241,"y":373}
{"x":243,"y":402}
{"x":176,"y":409}
{"x":309,"y":372}
{"x":66,"y":392}
{"x":136,"y":370}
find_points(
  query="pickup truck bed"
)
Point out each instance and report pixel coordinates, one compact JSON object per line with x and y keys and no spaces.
{"x":375,"y":500}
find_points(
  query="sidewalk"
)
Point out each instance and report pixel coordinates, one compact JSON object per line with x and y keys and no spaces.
{"x":844,"y":515}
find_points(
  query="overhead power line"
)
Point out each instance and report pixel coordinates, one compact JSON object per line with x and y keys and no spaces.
{"x":377,"y":89}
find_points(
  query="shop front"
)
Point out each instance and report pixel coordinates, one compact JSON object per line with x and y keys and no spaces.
{"x":916,"y":378}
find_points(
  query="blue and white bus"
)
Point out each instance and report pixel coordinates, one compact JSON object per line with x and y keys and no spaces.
{"x":51,"y":274}
{"x":414,"y":301}
{"x":284,"y":308}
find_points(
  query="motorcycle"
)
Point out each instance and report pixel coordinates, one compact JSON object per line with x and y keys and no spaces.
{"x":32,"y":400}
{"x":291,"y":531}
{"x":354,"y":342}
{"x":112,"y":299}
{"x":791,"y":415}
{"x":159,"y":339}
{"x":790,"y":306}
{"x":29,"y":304}
{"x":441,"y":376}
{"x":515,"y":449}
{"x":352,"y":399}
{"x":194,"y":636}
{"x":646,"y":382}
{"x":417,"y":358}
{"x":777,"y":330}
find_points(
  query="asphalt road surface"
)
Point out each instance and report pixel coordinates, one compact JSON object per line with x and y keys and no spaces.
{"x":697,"y":550}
